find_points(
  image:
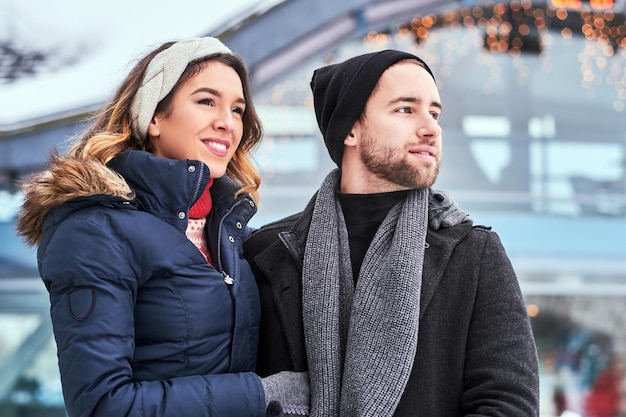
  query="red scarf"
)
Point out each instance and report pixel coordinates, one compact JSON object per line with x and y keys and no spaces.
{"x":202,"y":207}
{"x":197,"y":220}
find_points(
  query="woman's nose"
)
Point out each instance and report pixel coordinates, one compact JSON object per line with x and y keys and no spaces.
{"x":225,"y":121}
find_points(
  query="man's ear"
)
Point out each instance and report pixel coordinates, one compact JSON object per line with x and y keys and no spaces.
{"x":350,"y":139}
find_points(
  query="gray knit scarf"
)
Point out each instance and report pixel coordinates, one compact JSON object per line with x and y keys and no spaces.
{"x":361,"y":342}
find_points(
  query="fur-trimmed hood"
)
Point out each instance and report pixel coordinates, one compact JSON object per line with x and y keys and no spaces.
{"x":65,"y":179}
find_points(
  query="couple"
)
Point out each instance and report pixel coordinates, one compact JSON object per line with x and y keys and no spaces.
{"x":379,"y":299}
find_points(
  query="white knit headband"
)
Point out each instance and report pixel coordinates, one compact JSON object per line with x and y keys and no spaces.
{"x":162,"y":74}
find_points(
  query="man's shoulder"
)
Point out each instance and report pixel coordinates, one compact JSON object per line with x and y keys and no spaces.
{"x":474,"y":236}
{"x":279,"y":225}
{"x":466,"y":231}
{"x":268,"y":233}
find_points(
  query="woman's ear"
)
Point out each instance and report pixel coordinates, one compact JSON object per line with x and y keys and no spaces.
{"x":154,"y":129}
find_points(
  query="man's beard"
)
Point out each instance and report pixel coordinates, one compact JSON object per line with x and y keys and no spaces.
{"x":393,"y":165}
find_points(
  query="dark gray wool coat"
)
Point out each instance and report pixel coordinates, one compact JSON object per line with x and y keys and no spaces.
{"x":476,"y":354}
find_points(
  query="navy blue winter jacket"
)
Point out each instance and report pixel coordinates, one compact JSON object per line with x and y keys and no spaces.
{"x":144,"y":326}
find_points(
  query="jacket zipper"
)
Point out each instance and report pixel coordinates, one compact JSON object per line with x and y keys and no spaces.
{"x":227,"y":278}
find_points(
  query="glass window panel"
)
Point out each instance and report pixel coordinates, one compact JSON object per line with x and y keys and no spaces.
{"x":15,"y":330}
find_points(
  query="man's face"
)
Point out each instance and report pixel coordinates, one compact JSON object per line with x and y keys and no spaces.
{"x":399,"y":138}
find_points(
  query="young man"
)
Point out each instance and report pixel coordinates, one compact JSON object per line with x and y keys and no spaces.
{"x":382,"y":288}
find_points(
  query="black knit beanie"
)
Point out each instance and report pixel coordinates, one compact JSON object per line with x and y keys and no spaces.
{"x":340,"y":92}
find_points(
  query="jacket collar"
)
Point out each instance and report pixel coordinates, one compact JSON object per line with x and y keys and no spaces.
{"x":163,"y":187}
{"x":167,"y":187}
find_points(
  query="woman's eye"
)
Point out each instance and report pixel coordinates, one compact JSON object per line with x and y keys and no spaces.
{"x":207,"y":101}
{"x":239,"y":110}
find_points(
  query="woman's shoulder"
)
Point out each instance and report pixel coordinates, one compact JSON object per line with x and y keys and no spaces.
{"x":104,"y":237}
{"x":105,"y":224}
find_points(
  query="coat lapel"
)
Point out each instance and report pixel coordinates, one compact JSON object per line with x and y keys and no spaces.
{"x":441,"y":245}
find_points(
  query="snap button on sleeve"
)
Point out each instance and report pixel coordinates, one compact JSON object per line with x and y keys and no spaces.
{"x":231,"y":239}
{"x":191,"y":168}
{"x":239,"y":225}
{"x":181,"y":215}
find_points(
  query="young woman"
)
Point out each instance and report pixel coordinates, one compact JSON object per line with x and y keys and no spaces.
{"x":140,"y":229}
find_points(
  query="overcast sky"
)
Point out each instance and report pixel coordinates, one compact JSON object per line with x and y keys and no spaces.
{"x":100,"y":38}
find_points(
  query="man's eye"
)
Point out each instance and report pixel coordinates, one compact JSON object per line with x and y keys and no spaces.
{"x":404,"y":110}
{"x":435,"y":115}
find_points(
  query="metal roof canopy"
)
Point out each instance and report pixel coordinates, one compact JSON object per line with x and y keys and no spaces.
{"x":296,"y":29}
{"x":271,"y":42}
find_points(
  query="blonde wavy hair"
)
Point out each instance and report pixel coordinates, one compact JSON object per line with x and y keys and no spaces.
{"x":110,"y":134}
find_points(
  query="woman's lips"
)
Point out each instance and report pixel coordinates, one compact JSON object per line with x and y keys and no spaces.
{"x":217,"y":147}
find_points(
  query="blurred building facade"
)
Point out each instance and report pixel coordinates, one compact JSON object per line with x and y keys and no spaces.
{"x":534,"y":145}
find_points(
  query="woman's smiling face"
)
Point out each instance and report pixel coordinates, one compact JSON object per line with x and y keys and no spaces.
{"x":205,"y":121}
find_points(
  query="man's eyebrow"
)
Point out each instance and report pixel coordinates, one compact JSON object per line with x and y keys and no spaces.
{"x":215,"y":93}
{"x":417,"y":100}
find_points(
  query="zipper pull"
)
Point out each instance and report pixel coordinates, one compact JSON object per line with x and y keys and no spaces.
{"x":227,"y":279}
